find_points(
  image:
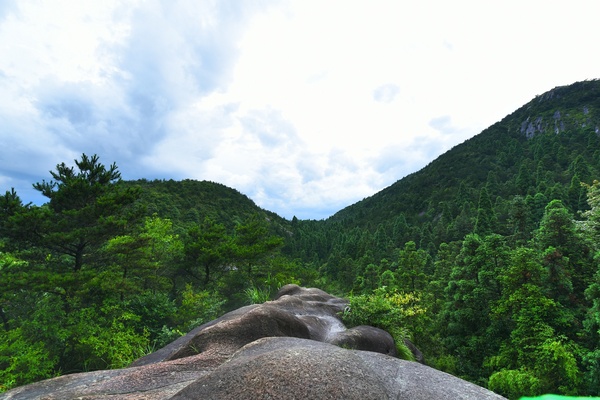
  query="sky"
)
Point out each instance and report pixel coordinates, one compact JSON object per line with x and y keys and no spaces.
{"x":304,"y":106}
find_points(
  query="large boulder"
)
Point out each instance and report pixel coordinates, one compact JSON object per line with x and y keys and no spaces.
{"x":292,"y":368}
{"x":366,"y":338}
{"x":293,"y":347}
{"x":307,"y":313}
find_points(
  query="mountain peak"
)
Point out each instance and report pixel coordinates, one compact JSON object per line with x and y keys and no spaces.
{"x":562,"y":109}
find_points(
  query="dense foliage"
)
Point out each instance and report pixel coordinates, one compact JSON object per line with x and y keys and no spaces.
{"x":95,"y":278}
{"x":487,"y":259}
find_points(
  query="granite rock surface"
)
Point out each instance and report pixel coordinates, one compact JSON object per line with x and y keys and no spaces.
{"x":294,"y":347}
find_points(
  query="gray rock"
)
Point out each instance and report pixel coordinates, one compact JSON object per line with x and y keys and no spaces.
{"x":291,"y":368}
{"x":366,"y":338}
{"x":293,"y":347}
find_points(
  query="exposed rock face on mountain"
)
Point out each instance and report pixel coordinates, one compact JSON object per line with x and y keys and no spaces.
{"x":294,"y":347}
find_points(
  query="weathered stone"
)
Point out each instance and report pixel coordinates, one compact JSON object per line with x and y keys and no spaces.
{"x":185,"y":343}
{"x":366,"y":338}
{"x":291,"y":368}
{"x":293,"y":347}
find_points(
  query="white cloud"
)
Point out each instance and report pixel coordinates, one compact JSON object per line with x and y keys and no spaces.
{"x":305,"y":106}
{"x":386,"y":93}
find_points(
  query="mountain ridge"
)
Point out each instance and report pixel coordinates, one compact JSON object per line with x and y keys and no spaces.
{"x":524,"y":123}
{"x":531,"y":150}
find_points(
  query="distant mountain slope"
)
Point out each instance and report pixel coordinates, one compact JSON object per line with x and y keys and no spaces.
{"x":542,"y":151}
{"x":544,"y":143}
{"x":190,"y":201}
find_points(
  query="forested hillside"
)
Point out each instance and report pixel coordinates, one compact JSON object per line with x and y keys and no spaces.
{"x":487,"y":259}
{"x":498,"y":240}
{"x":190,"y":202}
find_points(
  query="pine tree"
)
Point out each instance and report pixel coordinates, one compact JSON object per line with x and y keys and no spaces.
{"x":87,"y":207}
{"x":486,"y":221}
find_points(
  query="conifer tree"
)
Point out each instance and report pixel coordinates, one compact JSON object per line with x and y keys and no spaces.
{"x":411,"y":268}
{"x":558,"y":230}
{"x":86,"y":207}
{"x":207,"y":249}
{"x":486,"y":221}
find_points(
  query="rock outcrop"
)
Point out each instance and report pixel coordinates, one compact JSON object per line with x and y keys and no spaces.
{"x":294,"y":347}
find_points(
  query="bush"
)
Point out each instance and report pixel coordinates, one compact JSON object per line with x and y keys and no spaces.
{"x":514,"y":383}
{"x":256,"y":295}
{"x":22,"y":361}
{"x":389,"y":310}
{"x":197,"y":308}
{"x":106,"y":338}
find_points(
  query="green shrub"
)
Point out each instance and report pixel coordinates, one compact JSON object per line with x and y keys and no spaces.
{"x":513,"y":383}
{"x":23,"y":361}
{"x":389,"y":310}
{"x":197,"y":308}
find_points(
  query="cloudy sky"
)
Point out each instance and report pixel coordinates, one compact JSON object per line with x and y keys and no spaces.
{"x":305,"y":106}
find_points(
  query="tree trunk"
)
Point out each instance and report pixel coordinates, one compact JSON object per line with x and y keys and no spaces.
{"x":206,"y":274}
{"x":79,"y":255}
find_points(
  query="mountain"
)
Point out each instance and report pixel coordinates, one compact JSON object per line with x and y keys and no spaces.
{"x":540,"y":152}
{"x":539,"y":148}
{"x":567,"y":117}
{"x":499,"y":240}
{"x":190,"y":202}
